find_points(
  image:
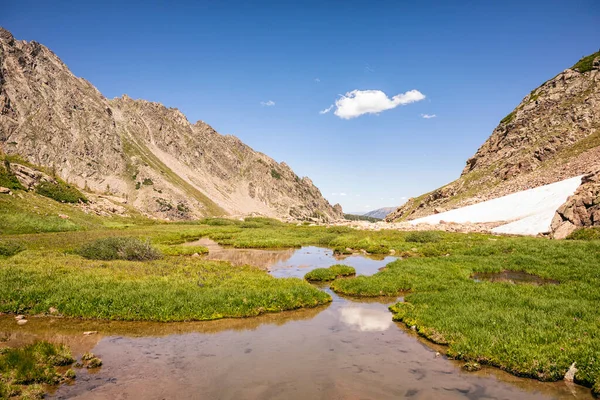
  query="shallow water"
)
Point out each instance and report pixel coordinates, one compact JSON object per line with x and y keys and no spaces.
{"x":513,"y":277}
{"x":349,"y":349}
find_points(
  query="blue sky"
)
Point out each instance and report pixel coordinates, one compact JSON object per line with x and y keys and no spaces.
{"x":223,"y":62}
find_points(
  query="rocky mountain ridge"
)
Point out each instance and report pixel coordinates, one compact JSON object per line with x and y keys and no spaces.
{"x":141,"y":151}
{"x":552,"y":135}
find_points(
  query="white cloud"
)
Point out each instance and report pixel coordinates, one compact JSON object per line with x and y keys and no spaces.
{"x":325,"y":111}
{"x":342,"y":194}
{"x":428,"y":116}
{"x":269,"y":103}
{"x":359,"y":102}
{"x":317,"y":80}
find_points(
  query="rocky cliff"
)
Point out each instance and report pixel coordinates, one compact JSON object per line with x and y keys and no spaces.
{"x":552,"y":135}
{"x":146,"y":153}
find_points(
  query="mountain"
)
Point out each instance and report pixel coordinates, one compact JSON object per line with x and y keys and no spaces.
{"x":144,"y":152}
{"x":380,"y":213}
{"x":552,"y":135}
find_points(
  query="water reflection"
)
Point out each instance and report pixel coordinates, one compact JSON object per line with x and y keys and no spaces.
{"x":366,"y":319}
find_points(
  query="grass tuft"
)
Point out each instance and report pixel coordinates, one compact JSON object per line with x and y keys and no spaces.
{"x":585,"y":234}
{"x":423,"y":237}
{"x":22,"y":370}
{"x":119,"y":248}
{"x":9,"y":248}
{"x":329,"y":274}
{"x":586,"y":63}
{"x":61,"y":192}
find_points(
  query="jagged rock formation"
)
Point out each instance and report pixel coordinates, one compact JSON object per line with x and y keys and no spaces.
{"x":554,"y":134}
{"x":142,"y":151}
{"x":580,"y":210}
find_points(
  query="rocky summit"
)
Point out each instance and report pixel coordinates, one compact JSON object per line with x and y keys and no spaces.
{"x":149,"y":155}
{"x":552,"y":135}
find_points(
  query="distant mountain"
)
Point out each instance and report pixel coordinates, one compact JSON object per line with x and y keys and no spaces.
{"x":140,"y":151}
{"x":380,"y":213}
{"x":552,"y":135}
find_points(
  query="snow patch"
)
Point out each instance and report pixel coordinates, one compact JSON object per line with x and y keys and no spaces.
{"x":530,"y":211}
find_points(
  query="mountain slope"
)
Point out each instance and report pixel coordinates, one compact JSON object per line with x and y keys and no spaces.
{"x":380,"y":213}
{"x":142,"y":151}
{"x":552,"y":135}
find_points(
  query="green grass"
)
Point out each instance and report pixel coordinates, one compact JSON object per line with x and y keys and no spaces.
{"x":329,"y":274}
{"x":61,"y":192}
{"x":585,"y":234}
{"x":119,"y":248}
{"x":7,"y":178}
{"x":528,"y":330}
{"x":423,"y":237}
{"x":10,"y":247}
{"x":170,"y":289}
{"x":182,"y":250}
{"x":508,"y":118}
{"x":586,"y":63}
{"x":23,"y":370}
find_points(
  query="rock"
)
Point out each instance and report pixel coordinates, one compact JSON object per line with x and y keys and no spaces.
{"x":52,"y":310}
{"x":88,"y":333}
{"x":413,"y":328}
{"x":437,"y":354}
{"x":195,"y":255}
{"x":63,"y":216}
{"x":21,"y":322}
{"x":4,"y":190}
{"x":570,"y":375}
{"x":78,"y":135}
{"x":471,"y":366}
{"x":392,"y":252}
{"x":19,"y":317}
{"x":564,"y":230}
{"x":439,"y":210}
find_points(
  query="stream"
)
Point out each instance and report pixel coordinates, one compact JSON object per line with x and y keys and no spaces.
{"x":349,"y":349}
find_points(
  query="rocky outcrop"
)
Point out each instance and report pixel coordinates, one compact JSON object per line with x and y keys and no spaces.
{"x":140,"y":151}
{"x":580,"y":210}
{"x":552,"y":135}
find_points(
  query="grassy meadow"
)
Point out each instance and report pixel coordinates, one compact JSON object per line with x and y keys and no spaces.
{"x":529,"y":330}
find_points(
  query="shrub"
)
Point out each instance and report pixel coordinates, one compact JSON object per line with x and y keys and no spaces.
{"x":275,"y":174}
{"x":119,"y":248}
{"x":423,"y":237}
{"x":585,"y":234}
{"x":147,"y":182}
{"x":329,"y":274}
{"x":60,"y":192}
{"x":7,"y":178}
{"x":10,"y":248}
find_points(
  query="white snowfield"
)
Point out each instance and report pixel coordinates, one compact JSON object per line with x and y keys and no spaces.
{"x":530,"y":211}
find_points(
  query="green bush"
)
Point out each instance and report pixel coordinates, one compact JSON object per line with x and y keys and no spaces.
{"x":585,"y":234}
{"x":147,"y":182}
{"x":7,"y":178}
{"x":10,"y":248}
{"x":275,"y":174}
{"x":119,"y":248}
{"x":423,"y":237}
{"x":329,"y":274}
{"x":60,"y":192}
